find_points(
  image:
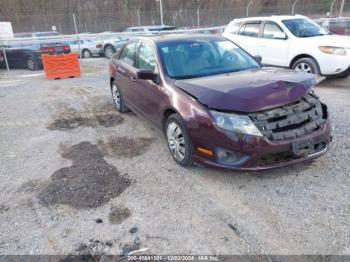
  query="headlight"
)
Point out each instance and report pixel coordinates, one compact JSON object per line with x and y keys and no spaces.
{"x":236,"y":123}
{"x":333,"y":50}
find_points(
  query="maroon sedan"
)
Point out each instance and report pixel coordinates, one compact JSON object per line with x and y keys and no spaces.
{"x":217,"y":106}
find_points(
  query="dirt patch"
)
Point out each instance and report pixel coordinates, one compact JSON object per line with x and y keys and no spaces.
{"x":126,"y":147}
{"x":109,"y":120}
{"x":95,"y":247}
{"x":4,"y":209}
{"x":89,"y":183}
{"x":118,"y":215}
{"x":71,"y":119}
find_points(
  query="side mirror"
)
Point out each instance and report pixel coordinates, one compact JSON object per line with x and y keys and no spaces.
{"x":258,"y":58}
{"x":146,"y":74}
{"x":280,"y":35}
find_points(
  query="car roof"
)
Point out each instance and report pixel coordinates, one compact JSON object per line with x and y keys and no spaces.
{"x":268,"y":18}
{"x":162,"y":38}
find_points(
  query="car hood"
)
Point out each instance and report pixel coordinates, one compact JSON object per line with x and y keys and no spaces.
{"x":248,"y":91}
{"x":330,"y":40}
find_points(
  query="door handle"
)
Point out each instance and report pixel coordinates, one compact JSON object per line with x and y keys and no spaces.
{"x":133,"y":78}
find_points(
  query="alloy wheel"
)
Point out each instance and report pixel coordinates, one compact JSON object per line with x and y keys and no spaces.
{"x":30,"y":64}
{"x":109,"y":52}
{"x":304,"y":67}
{"x":176,"y":141}
{"x":86,"y":54}
{"x":116,"y":96}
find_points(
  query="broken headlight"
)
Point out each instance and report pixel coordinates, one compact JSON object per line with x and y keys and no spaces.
{"x":236,"y":123}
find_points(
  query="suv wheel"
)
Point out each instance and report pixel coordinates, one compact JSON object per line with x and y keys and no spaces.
{"x":31,"y":64}
{"x":308,"y":65}
{"x":109,"y":51}
{"x":86,"y":53}
{"x":179,"y":142}
{"x":118,"y":98}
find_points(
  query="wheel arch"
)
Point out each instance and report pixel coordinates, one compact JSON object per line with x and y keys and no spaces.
{"x":111,"y":80}
{"x":166,"y":113}
{"x":297,"y":57}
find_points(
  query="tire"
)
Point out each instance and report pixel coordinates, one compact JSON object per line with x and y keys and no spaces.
{"x":109,"y":51}
{"x":179,"y":141}
{"x":86,"y":53}
{"x":308,"y":65}
{"x":31,"y":63}
{"x":118,"y":98}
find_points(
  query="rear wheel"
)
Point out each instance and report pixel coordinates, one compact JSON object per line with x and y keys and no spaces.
{"x":308,"y":65}
{"x":118,"y":98}
{"x":179,"y":141}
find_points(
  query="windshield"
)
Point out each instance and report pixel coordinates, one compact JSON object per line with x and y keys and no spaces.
{"x":196,"y":58}
{"x":302,"y":27}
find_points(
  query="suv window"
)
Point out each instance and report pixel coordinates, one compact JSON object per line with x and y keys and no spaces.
{"x":146,"y":58}
{"x":128,"y":54}
{"x":270,"y":29}
{"x":250,"y":29}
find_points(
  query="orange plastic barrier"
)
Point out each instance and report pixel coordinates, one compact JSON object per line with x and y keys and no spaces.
{"x":61,"y":66}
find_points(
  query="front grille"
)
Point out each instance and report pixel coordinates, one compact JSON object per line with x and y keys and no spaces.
{"x":283,"y":157}
{"x":293,"y":120}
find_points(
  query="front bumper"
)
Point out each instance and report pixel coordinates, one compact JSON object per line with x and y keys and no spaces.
{"x":260,"y":148}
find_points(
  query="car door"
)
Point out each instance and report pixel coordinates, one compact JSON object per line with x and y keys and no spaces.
{"x":126,"y":74}
{"x":274,"y":45}
{"x":248,"y":37}
{"x":148,"y":91}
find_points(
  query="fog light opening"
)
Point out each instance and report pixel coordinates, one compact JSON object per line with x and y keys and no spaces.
{"x":229,"y":157}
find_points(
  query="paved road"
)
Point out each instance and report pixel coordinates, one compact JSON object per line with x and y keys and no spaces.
{"x":77,"y":177}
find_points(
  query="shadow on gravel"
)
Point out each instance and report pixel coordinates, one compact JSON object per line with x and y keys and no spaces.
{"x":89,"y":183}
{"x":126,"y":147}
{"x":71,"y":119}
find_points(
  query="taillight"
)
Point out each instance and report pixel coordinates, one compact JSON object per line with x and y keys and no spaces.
{"x":99,"y":46}
{"x":66,"y":47}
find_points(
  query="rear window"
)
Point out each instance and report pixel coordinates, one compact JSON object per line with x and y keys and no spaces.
{"x":250,"y":29}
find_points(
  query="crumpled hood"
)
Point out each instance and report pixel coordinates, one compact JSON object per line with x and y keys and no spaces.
{"x":249,"y":91}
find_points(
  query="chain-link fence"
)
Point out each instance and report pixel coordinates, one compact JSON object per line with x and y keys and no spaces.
{"x":91,"y":31}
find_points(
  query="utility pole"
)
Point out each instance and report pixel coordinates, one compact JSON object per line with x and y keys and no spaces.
{"x":331,"y":11}
{"x":76,"y":32}
{"x":247,"y":8}
{"x":293,"y":6}
{"x":341,"y":8}
{"x":161,"y":11}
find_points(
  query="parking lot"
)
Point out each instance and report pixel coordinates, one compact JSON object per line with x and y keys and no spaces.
{"x":77,"y":177}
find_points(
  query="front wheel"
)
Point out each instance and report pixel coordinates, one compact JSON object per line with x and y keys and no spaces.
{"x":31,"y":64}
{"x":308,"y":65}
{"x":118,"y":98}
{"x":109,"y":51}
{"x":86,"y":54}
{"x":179,"y":141}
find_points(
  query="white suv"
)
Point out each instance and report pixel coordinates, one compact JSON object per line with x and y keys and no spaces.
{"x":292,"y":41}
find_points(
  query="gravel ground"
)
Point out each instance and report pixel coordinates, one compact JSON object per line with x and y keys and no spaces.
{"x":60,"y":137}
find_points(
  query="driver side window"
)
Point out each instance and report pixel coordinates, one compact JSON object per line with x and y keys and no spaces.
{"x":147,"y":58}
{"x":128,"y":54}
